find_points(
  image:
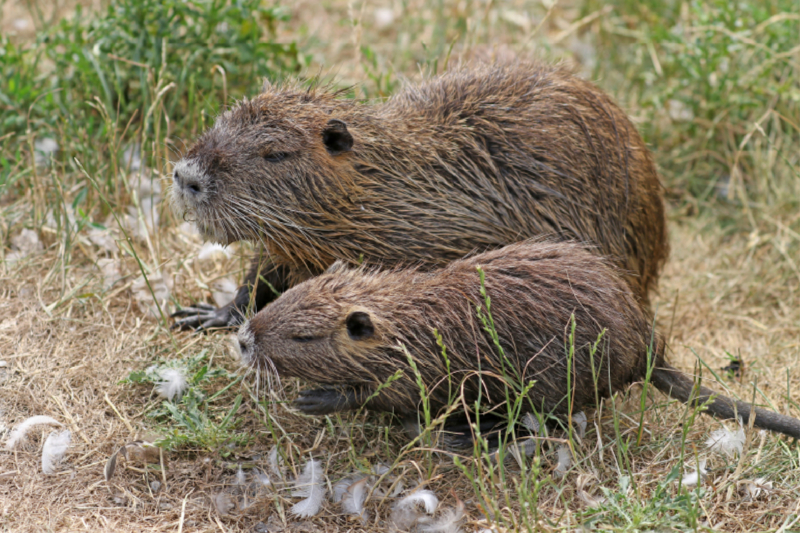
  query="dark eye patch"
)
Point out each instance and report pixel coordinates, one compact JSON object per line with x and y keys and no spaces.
{"x":276,"y":157}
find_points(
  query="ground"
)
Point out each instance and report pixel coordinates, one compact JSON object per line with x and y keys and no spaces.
{"x":77,"y":351}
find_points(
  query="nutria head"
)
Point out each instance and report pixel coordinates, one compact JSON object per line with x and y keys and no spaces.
{"x":261,"y":156}
{"x":324,"y":330}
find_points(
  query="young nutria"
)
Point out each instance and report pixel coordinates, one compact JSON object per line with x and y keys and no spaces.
{"x":471,"y":160}
{"x":343,"y":330}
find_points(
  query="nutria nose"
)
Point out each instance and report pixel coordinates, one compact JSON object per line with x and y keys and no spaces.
{"x":186,"y":182}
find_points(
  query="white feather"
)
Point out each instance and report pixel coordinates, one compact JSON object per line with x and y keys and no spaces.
{"x":54,"y":449}
{"x":426,"y":497}
{"x":405,"y":514}
{"x":580,"y":421}
{"x":380,"y":469}
{"x":341,"y":486}
{"x":521,"y":448}
{"x":173,"y":383}
{"x":692,"y":478}
{"x":530,"y":422}
{"x":109,"y":272}
{"x":727,"y":442}
{"x":446,"y":523}
{"x":212,"y":251}
{"x":564,"y":460}
{"x":262,"y":478}
{"x":241,"y":477}
{"x":353,"y":498}
{"x":157,"y":284}
{"x":223,"y":291}
{"x":274,"y":461}
{"x":309,"y":485}
{"x":755,"y":488}
{"x":18,"y":434}
{"x":589,"y":500}
{"x":398,"y":488}
{"x":224,"y":503}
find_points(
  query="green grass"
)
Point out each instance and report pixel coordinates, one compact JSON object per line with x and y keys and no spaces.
{"x":202,"y":417}
{"x":718,"y":84}
{"x":152,"y":73}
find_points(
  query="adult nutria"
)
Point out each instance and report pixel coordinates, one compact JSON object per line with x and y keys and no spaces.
{"x":343,"y":330}
{"x":471,"y":160}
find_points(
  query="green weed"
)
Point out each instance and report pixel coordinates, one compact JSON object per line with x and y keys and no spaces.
{"x":194,"y":420}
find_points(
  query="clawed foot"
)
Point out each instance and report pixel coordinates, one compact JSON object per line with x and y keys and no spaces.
{"x":326,"y":401}
{"x":204,"y":316}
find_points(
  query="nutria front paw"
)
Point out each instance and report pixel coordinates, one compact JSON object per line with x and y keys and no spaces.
{"x":325,"y":401}
{"x":204,"y":317}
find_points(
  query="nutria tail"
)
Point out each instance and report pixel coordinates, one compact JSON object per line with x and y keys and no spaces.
{"x":678,"y":385}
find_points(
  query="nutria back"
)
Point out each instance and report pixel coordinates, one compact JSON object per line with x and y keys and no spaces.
{"x":551,"y":323}
{"x":471,"y":160}
{"x":346,"y":328}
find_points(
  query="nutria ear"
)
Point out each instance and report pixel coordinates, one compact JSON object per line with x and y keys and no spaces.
{"x":336,"y":137}
{"x":359,"y":326}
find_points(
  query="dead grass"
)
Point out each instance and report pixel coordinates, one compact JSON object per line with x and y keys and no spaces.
{"x":736,"y":294}
{"x":725,"y":290}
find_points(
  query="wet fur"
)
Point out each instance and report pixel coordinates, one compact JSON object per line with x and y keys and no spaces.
{"x":472,"y":160}
{"x":535,"y":289}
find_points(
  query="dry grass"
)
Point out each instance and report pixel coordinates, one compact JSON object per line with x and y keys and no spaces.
{"x":725,"y":290}
{"x":732,"y":297}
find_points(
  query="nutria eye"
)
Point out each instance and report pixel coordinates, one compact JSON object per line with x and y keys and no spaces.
{"x":359,"y":326}
{"x":276,"y":157}
{"x":303,"y":338}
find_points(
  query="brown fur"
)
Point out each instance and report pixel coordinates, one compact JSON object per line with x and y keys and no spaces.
{"x":344,"y":330}
{"x":471,"y":160}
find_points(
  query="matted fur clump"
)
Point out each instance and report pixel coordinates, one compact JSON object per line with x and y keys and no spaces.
{"x":472,"y":160}
{"x":352,"y":330}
